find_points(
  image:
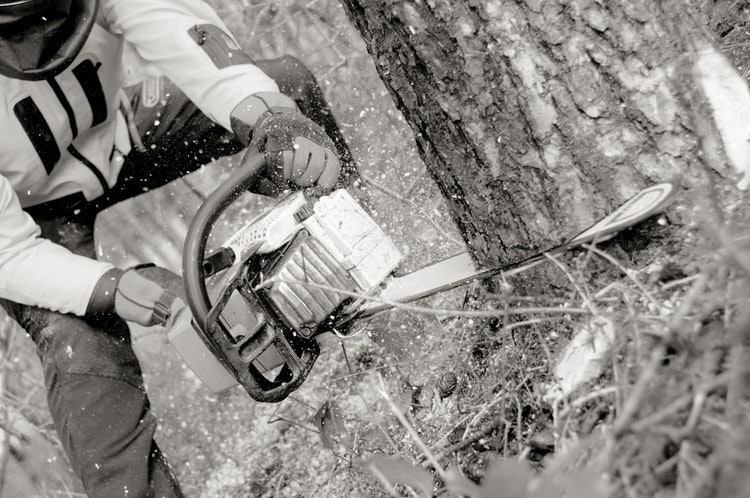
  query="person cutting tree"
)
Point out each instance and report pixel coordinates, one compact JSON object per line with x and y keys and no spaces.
{"x":74,"y":142}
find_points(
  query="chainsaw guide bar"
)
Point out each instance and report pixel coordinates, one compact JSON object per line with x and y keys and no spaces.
{"x":461,"y":269}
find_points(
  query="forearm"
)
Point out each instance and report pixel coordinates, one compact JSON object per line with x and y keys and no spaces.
{"x":196,"y":52}
{"x":49,"y":276}
{"x":34,"y":270}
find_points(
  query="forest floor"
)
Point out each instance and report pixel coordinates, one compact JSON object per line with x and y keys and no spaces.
{"x":661,"y":414}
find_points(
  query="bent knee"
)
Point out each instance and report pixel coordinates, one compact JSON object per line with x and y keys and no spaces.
{"x":73,"y":345}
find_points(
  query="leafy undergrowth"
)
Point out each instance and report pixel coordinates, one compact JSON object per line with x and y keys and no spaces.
{"x":662,"y":413}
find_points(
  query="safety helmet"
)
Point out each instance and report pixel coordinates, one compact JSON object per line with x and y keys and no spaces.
{"x":40,"y":38}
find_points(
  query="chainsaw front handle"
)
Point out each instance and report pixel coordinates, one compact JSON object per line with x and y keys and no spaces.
{"x":238,"y":355}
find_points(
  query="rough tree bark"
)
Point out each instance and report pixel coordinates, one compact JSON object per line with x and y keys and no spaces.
{"x":535,"y":117}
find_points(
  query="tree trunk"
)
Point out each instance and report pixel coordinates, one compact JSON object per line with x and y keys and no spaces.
{"x":537,"y":117}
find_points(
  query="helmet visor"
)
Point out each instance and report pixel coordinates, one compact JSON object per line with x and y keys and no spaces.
{"x":40,"y":38}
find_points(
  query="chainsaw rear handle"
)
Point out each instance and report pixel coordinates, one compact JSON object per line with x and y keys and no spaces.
{"x":297,"y":362}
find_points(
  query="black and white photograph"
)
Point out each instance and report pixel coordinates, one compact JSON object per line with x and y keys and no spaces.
{"x":375,"y":248}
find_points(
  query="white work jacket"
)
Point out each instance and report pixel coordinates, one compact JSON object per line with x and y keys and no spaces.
{"x":67,"y":134}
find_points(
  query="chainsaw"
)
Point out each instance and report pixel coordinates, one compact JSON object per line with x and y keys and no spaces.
{"x":264,"y":301}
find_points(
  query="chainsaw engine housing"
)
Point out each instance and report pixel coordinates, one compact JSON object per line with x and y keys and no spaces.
{"x":303,"y":261}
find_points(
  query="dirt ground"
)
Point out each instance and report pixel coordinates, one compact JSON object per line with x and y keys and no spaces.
{"x":226,"y":445}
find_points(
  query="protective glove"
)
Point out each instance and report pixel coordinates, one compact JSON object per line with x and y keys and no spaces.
{"x":133,"y":298}
{"x":296,"y":149}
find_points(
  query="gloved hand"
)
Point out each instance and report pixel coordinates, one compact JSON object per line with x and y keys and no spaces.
{"x":133,"y":298}
{"x":296,"y":149}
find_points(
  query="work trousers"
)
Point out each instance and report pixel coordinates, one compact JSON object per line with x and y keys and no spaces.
{"x":93,"y":380}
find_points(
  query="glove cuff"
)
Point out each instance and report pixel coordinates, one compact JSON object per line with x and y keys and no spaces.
{"x":255,"y":109}
{"x":102,"y":300}
{"x":138,"y":302}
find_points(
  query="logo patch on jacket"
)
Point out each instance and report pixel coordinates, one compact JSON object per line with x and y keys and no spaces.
{"x":151,"y":92}
{"x":220,"y":47}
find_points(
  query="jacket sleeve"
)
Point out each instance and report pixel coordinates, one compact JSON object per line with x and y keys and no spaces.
{"x":187,"y":41}
{"x":36,"y":271}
